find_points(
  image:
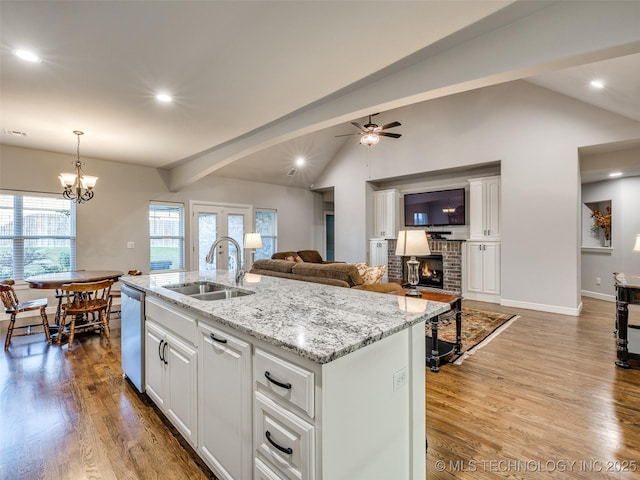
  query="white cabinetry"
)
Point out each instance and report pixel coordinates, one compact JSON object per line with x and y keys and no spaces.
{"x":484,"y":208}
{"x":252,"y":410}
{"x":171,"y":368}
{"x":386,"y":213}
{"x":224,"y":403}
{"x":379,"y":254}
{"x":483,"y":271}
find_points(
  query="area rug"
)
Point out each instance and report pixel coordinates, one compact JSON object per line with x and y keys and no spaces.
{"x":479,"y":327}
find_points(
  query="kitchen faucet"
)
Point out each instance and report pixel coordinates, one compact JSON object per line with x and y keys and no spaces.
{"x":239,"y":271}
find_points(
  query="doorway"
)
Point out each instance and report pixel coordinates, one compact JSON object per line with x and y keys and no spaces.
{"x":210,"y":221}
{"x":329,"y":236}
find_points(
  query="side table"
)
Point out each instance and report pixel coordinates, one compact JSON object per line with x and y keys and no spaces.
{"x":455,"y":301}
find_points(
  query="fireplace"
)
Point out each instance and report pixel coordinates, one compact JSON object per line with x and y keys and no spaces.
{"x":430,"y":271}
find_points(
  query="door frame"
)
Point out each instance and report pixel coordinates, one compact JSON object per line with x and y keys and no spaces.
{"x":249,"y":225}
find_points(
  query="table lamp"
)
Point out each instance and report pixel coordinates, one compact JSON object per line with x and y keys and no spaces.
{"x":251,"y":242}
{"x":412,"y":243}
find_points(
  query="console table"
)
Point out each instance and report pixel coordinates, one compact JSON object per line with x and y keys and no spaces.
{"x":455,"y":302}
{"x":627,"y":292}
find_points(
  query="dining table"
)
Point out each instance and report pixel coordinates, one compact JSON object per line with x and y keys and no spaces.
{"x":55,"y":281}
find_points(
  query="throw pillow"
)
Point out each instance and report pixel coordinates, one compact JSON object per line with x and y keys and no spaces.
{"x":290,"y":258}
{"x":298,"y":259}
{"x":362,"y":267}
{"x":373,"y":274}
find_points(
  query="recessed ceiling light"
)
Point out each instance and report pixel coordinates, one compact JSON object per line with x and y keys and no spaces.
{"x":615,"y":174}
{"x":27,"y":55}
{"x":300,"y":161}
{"x":597,"y":84}
{"x":163,"y":97}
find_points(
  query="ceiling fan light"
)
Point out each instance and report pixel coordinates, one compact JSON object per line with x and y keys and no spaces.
{"x":369,"y":139}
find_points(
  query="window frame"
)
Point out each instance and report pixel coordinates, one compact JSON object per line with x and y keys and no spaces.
{"x":181,"y":238}
{"x":18,"y":239}
{"x":275,"y":228}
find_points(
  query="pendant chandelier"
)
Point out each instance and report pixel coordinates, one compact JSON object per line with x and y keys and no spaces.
{"x":77,"y":186}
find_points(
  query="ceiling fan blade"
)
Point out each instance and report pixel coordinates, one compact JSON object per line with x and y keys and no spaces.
{"x":392,"y":135}
{"x":391,"y":125}
{"x":357,"y":125}
{"x":347,"y":134}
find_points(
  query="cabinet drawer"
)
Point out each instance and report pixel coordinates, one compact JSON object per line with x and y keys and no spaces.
{"x":283,"y":438}
{"x":171,"y":319}
{"x":262,"y":472}
{"x":287,"y":381}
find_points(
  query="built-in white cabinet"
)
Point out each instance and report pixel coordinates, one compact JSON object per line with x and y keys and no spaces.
{"x":224,"y":403}
{"x":379,"y":255}
{"x":386,"y":213}
{"x":171,"y":374}
{"x":484,"y":208}
{"x":252,"y":410}
{"x":483,"y":271}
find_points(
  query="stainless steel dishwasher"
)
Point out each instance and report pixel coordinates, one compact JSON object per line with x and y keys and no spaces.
{"x":132,"y":335}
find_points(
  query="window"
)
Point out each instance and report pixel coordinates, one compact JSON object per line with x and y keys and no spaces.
{"x":166,"y":236}
{"x":267,"y":227}
{"x":37,"y":235}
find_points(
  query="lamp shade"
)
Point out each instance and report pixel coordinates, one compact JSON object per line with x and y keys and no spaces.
{"x":252,"y":240}
{"x":412,"y":243}
{"x":636,"y":247}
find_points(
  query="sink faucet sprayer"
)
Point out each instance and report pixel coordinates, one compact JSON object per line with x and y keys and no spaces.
{"x":239,"y":271}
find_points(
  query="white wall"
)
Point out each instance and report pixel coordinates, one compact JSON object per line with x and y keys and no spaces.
{"x":535,"y":134}
{"x":624,"y":194}
{"x":119,"y":211}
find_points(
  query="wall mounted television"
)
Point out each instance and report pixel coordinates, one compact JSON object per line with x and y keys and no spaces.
{"x":434,"y":209}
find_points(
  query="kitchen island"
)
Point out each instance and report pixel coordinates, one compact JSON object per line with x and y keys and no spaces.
{"x":290,"y":380}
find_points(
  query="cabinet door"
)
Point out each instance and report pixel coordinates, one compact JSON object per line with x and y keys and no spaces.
{"x":385,"y":213}
{"x":154,"y":365}
{"x":224,"y":417}
{"x":492,"y":208}
{"x":379,"y":215}
{"x":474,"y":267}
{"x":491,"y":268}
{"x":476,"y":210}
{"x":181,"y":387}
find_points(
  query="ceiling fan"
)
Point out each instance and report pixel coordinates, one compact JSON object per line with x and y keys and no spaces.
{"x":370,"y":133}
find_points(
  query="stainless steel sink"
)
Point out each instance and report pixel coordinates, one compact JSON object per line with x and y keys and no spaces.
{"x":196,"y":288}
{"x":208,"y":291}
{"x":221,"y":295}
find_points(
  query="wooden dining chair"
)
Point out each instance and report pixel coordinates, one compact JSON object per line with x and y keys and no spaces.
{"x":13,"y":306}
{"x":87,"y":305}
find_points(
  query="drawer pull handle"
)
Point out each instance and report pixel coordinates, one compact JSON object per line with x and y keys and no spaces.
{"x":216,"y":339}
{"x":287,"y":450}
{"x":280,"y":384}
{"x":164,"y":355}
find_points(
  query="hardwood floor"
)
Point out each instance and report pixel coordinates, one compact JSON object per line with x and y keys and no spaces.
{"x":71,"y":415}
{"x":541,"y":395}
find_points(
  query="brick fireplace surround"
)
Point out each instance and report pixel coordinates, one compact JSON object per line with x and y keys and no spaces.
{"x":451,"y":251}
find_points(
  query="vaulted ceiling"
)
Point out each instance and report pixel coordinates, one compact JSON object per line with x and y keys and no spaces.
{"x":254,"y":83}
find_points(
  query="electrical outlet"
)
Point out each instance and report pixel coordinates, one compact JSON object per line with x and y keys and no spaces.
{"x":131,"y":245}
{"x":597,"y":280}
{"x":400,"y":378}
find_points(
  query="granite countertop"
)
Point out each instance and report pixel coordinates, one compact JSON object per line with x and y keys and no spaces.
{"x":317,"y":322}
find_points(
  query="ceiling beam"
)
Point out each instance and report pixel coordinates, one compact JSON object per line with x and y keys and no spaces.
{"x":517,"y":42}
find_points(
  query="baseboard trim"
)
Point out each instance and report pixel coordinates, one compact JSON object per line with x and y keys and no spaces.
{"x":541,"y":307}
{"x":599,"y":296}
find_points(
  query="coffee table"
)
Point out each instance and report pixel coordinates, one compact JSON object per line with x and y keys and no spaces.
{"x":440,"y":349}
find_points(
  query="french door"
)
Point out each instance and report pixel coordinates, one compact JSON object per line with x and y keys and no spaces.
{"x":212,"y":221}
